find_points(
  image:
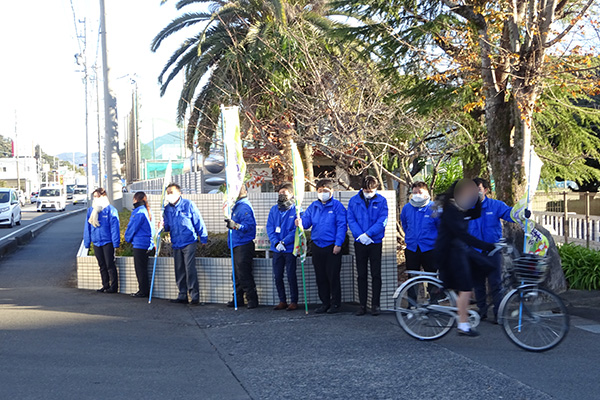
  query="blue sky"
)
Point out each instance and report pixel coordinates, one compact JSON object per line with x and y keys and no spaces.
{"x":41,"y":82}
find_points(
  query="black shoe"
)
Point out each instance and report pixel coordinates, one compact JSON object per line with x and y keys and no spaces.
{"x":101,"y":290}
{"x":252,"y":304}
{"x":322,"y":309}
{"x":333,"y":310}
{"x":179,"y":301}
{"x":110,"y":291}
{"x":195,"y":302}
{"x":469,"y":333}
{"x":375,"y":311}
{"x":139,"y":294}
{"x":361,"y":311}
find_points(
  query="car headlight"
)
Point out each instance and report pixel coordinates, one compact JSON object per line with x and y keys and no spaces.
{"x":3,"y":209}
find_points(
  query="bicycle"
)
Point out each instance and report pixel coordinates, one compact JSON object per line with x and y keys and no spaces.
{"x":534,"y":318}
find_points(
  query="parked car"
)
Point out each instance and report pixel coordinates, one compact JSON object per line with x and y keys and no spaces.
{"x":34,"y":197}
{"x":10,"y":207}
{"x":52,"y":198}
{"x":80,"y":195}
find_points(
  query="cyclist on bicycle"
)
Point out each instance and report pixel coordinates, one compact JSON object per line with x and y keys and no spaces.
{"x":461,"y":204}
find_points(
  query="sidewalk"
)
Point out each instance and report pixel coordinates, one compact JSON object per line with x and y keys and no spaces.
{"x":583,"y":303}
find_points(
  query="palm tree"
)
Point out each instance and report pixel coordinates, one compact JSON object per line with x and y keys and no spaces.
{"x":244,"y":53}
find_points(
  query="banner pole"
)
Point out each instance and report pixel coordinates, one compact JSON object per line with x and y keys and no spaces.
{"x":526,"y":233}
{"x":157,"y":241}
{"x":235,"y":302}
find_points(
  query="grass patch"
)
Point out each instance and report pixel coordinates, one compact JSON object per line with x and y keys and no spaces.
{"x":581,"y":266}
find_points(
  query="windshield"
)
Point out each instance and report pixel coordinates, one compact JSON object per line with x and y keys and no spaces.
{"x":4,"y":197}
{"x":50,"y":193}
{"x":79,"y":191}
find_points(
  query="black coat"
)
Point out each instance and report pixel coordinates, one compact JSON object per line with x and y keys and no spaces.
{"x":454,"y":247}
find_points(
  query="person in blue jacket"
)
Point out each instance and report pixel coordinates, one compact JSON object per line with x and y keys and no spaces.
{"x":327,"y":219}
{"x":140,"y":233}
{"x":102,"y":230}
{"x":420,"y":229}
{"x":367,"y":219}
{"x":488,"y":228}
{"x":242,"y":226}
{"x":281,"y":230}
{"x":183,"y":220}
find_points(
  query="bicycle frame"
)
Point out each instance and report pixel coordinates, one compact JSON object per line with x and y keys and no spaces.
{"x":474,"y":318}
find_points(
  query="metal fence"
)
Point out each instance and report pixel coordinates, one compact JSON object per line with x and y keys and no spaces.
{"x":570,"y":217}
{"x":190,"y":182}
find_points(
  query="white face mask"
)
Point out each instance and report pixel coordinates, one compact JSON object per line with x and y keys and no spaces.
{"x":370,"y":195}
{"x":418,"y":197}
{"x":324,"y":196}
{"x":481,"y":196}
{"x":172,"y":198}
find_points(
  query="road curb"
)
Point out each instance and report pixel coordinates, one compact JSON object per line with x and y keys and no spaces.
{"x":11,"y":244}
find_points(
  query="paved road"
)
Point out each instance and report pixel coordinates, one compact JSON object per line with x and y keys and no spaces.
{"x":57,"y":342}
{"x":30,"y":216}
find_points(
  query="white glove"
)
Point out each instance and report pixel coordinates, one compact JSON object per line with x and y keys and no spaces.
{"x":364,"y":239}
{"x":280,"y":247}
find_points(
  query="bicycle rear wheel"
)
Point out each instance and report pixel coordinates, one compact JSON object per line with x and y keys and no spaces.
{"x":414,"y":311}
{"x":534,"y":318}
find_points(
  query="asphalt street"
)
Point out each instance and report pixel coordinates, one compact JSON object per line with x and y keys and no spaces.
{"x":58,"y":342}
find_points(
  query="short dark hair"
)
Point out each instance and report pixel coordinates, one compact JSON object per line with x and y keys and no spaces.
{"x":325,"y":183}
{"x":369,"y":182}
{"x":419,"y":185}
{"x":483,"y":182}
{"x":287,"y":186}
{"x":100,"y":191}
{"x":174,"y":185}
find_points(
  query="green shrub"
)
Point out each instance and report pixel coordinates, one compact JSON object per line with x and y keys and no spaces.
{"x":581,"y":266}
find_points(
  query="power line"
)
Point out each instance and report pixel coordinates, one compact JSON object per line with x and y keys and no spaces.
{"x":75,"y":25}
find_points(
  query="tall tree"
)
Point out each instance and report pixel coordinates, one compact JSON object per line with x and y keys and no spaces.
{"x":509,"y":46}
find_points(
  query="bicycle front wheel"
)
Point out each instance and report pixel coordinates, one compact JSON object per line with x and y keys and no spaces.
{"x":420,"y":309}
{"x":534,"y":318}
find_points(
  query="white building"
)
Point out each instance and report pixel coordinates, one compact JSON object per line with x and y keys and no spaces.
{"x":27,"y":173}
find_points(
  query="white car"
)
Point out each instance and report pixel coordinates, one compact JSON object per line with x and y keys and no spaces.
{"x":10,"y":207}
{"x":80,"y":195}
{"x":52,"y":198}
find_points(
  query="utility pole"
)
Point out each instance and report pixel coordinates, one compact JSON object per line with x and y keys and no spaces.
{"x":16,"y":154}
{"x":81,"y":59}
{"x":113,"y":183}
{"x":100,"y":150}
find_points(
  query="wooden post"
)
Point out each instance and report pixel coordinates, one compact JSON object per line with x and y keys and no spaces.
{"x":587,"y":219}
{"x":566,"y":217}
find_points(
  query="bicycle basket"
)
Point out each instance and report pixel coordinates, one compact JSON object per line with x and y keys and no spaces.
{"x":530,"y":269}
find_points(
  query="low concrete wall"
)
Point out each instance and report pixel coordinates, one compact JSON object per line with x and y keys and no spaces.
{"x":214,"y":277}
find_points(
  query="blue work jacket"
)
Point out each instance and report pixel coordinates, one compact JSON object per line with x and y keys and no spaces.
{"x":243,"y":214}
{"x":281,"y":227}
{"x":185,"y":223}
{"x":488,"y":227}
{"x":140,"y":230}
{"x":109,"y":230}
{"x":371,"y":219}
{"x":328,"y":222}
{"x":420,"y":227}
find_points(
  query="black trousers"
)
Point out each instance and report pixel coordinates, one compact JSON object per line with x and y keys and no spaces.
{"x":417,"y":259}
{"x":108,"y":269}
{"x":327,"y":271}
{"x":140,"y":261}
{"x":364,"y":255}
{"x":244,"y":279}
